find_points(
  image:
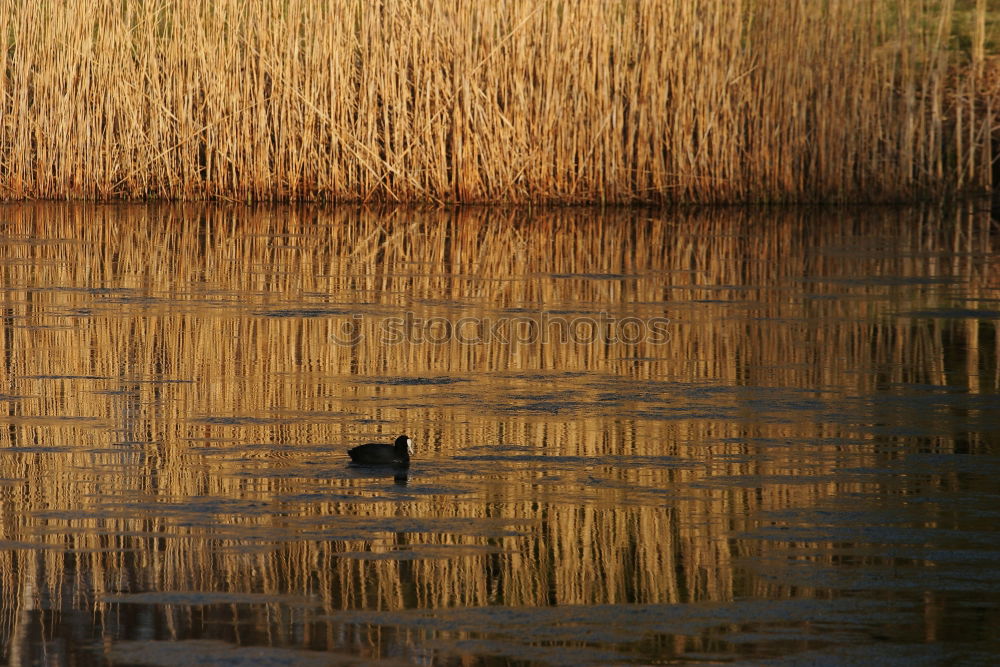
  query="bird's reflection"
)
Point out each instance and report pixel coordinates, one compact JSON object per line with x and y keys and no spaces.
{"x":400,"y":474}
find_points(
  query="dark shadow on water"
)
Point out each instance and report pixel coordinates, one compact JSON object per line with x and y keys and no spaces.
{"x":398,"y":473}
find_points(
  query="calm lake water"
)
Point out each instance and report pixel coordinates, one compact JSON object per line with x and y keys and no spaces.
{"x":741,"y":436}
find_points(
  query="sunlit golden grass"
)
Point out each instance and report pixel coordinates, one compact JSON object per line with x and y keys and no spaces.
{"x":522,"y":101}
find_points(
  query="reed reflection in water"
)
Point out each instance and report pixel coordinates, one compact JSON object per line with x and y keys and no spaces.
{"x":800,"y":462}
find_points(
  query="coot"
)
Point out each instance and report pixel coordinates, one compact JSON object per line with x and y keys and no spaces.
{"x":377,"y":452}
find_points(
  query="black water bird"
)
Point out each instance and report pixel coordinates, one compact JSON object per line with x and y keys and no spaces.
{"x":379,"y":453}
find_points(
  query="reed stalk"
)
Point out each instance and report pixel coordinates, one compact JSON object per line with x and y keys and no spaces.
{"x":556,"y":101}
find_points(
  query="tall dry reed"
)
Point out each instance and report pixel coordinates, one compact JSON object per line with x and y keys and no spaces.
{"x":521,"y":101}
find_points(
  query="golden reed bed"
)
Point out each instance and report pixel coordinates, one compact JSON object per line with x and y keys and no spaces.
{"x":521,"y":101}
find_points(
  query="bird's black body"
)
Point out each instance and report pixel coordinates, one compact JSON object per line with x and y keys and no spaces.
{"x":379,"y":453}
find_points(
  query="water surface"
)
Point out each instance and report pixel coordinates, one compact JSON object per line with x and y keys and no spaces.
{"x":738,"y":436}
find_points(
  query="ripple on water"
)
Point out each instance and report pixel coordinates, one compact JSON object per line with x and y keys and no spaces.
{"x":183,"y":653}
